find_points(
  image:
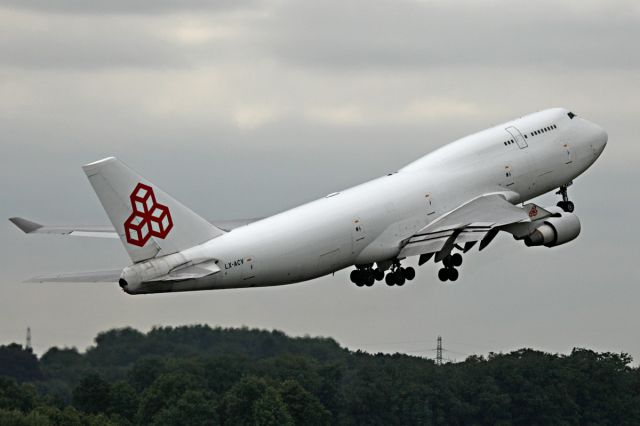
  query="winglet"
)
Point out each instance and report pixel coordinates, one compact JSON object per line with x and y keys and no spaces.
{"x":25,"y":225}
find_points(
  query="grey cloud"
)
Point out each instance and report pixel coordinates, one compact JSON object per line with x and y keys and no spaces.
{"x":85,"y":43}
{"x":396,"y":35}
{"x":126,"y":6}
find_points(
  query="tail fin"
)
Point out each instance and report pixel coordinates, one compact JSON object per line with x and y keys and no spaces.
{"x":149,"y":222}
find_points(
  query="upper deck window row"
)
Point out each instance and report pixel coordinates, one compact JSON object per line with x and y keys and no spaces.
{"x":544,"y":130}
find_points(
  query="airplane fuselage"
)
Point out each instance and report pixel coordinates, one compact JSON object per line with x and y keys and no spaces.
{"x":520,"y":159}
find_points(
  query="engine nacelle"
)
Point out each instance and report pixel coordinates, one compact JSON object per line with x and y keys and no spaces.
{"x":555,"y":230}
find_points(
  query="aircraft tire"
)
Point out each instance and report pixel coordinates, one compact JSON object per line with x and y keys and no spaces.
{"x":456,"y":259}
{"x":409,"y":273}
{"x":443,"y":274}
{"x":400,"y":278}
{"x":378,"y":274}
{"x":354,"y":276}
{"x":369,"y":278}
{"x":453,"y":274}
{"x":390,"y":279}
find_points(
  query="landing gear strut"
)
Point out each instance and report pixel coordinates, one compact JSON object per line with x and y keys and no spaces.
{"x":449,"y":272}
{"x":565,"y":204}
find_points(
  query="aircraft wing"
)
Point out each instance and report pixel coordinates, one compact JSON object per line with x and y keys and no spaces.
{"x":477,"y":220}
{"x":100,"y":231}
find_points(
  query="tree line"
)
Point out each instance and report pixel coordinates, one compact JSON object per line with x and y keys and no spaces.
{"x":198,"y":375}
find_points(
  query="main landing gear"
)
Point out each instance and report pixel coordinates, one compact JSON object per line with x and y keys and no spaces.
{"x":367,"y":275}
{"x":565,"y":204}
{"x":450,"y":263}
{"x":399,"y":275}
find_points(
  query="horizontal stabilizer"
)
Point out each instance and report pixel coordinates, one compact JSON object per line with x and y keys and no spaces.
{"x":95,"y":231}
{"x":25,"y":225}
{"x":104,"y":231}
{"x":79,"y":277}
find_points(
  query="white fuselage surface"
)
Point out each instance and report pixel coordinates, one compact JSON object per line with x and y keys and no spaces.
{"x":520,"y":159}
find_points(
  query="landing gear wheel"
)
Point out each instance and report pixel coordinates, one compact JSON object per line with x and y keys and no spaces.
{"x":453,"y":274}
{"x":443,"y":274}
{"x":447,"y":261}
{"x":567,"y":206}
{"x":409,"y":273}
{"x":378,"y":274}
{"x":368,"y":278}
{"x":456,"y":259}
{"x":354,"y":276}
{"x":399,"y":278}
{"x":390,"y":279}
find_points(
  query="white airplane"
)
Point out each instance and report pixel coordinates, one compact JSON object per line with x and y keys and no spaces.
{"x":437,"y":207}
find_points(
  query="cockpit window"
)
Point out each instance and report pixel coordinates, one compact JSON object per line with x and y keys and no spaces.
{"x":571,"y":115}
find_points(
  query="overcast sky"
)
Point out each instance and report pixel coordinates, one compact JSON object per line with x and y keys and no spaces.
{"x":247,"y":108}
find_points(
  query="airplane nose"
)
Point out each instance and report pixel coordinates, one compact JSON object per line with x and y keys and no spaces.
{"x":601,"y":138}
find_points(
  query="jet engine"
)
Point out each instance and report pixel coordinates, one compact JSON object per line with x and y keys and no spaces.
{"x":555,"y":230}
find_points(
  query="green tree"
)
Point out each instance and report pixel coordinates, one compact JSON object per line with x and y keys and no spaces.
{"x":144,"y":372}
{"x":65,"y":364}
{"x":92,"y":395}
{"x":253,"y":401}
{"x":14,"y":396}
{"x":18,"y":363}
{"x":270,"y":410}
{"x":123,"y":400}
{"x":167,"y":390}
{"x":303,"y":406}
{"x":194,"y":408}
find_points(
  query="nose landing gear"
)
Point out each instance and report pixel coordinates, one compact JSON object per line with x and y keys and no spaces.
{"x":565,"y":204}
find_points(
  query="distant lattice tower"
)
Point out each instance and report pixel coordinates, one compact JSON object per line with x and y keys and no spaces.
{"x":28,"y":345}
{"x":439,"y":351}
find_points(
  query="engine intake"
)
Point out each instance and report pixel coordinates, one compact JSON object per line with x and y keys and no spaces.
{"x":556,"y":230}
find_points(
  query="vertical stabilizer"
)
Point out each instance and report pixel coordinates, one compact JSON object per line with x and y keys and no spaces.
{"x":150,"y":223}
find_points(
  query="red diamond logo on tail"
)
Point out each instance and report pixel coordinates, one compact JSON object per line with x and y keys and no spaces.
{"x":148,"y":219}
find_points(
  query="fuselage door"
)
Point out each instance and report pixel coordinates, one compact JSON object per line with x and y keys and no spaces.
{"x":509,"y":179}
{"x":358,"y":236}
{"x":568,"y":153}
{"x":517,"y":136}
{"x":430,"y":208}
{"x":248,"y":268}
